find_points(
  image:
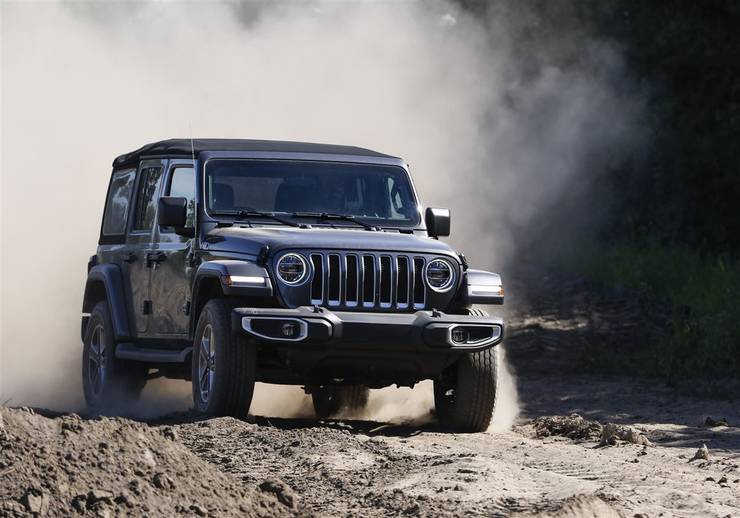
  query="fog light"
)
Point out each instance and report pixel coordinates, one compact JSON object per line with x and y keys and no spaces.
{"x":289,"y":329}
{"x":459,"y":335}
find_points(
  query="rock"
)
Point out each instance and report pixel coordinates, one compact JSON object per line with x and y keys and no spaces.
{"x":98,"y":495}
{"x":198,"y":510}
{"x":413,"y":509}
{"x":71,"y":423}
{"x":701,"y":454}
{"x":101,"y":511}
{"x":614,"y":433}
{"x":162,"y":481}
{"x":169,"y":433}
{"x":281,"y":490}
{"x":147,"y":458}
{"x":135,"y":487}
{"x":711,"y":422}
{"x":35,"y":501}
{"x":79,"y":503}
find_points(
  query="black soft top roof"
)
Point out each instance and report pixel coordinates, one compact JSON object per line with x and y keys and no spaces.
{"x":182,"y":147}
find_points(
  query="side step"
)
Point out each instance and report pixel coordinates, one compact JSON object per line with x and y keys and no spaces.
{"x":129,"y":351}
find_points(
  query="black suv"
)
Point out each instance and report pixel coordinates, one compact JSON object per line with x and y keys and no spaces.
{"x":227,"y":262}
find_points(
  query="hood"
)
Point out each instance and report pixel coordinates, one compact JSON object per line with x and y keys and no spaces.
{"x":251,"y":240}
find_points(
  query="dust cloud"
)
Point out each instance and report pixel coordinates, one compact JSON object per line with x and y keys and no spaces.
{"x":84,"y":82}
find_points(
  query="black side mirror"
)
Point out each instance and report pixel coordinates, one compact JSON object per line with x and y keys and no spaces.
{"x":438,"y":222}
{"x":173,"y":212}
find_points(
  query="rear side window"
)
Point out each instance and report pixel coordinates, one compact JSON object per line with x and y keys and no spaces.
{"x":146,"y":206}
{"x":119,"y":196}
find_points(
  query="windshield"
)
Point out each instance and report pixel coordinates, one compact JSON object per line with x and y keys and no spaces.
{"x":379,"y":194}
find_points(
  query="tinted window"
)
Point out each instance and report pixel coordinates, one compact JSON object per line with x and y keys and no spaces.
{"x":182,"y":185}
{"x":372,"y":192}
{"x":116,"y":213}
{"x":146,"y":204}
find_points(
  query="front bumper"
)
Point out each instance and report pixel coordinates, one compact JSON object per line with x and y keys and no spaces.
{"x":316,"y":326}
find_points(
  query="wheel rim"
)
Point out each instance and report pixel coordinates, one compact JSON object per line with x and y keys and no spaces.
{"x":206,"y":363}
{"x":97,"y":360}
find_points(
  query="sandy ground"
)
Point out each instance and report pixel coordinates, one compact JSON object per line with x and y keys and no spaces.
{"x":363,"y":468}
{"x":348,"y":468}
{"x":354,"y":467}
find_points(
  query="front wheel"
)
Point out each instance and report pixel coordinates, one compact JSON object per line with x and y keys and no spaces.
{"x":223,"y":364}
{"x":328,"y":400}
{"x":110,"y":385}
{"x":465,"y":395}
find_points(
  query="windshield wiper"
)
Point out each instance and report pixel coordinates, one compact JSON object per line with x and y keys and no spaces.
{"x":325,"y":216}
{"x":253,"y":213}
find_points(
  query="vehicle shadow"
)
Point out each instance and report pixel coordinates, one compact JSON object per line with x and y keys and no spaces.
{"x":669,"y":417}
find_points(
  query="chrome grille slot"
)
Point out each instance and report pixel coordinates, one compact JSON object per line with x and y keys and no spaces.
{"x":402,"y":283}
{"x":368,"y":281}
{"x":352,"y":285}
{"x":419,"y":289}
{"x":335,"y":280}
{"x":386,"y":280}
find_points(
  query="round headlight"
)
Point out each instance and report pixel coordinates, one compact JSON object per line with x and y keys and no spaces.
{"x":291,"y":268}
{"x":440,"y":275}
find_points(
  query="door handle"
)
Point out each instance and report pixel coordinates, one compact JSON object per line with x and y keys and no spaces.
{"x":153,"y":258}
{"x":130,"y":258}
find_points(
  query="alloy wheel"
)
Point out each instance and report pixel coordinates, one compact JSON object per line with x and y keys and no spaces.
{"x":97,"y":360}
{"x":206,"y":363}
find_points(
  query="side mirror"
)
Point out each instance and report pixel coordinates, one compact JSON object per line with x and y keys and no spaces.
{"x":438,"y":222}
{"x":173,"y":212}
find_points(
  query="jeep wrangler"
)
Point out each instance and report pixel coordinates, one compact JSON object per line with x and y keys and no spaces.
{"x":228,"y":262}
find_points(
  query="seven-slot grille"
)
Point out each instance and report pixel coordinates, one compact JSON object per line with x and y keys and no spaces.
{"x":368,"y":280}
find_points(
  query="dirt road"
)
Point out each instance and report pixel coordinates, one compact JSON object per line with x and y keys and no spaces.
{"x":278,"y":466}
{"x":342,"y":468}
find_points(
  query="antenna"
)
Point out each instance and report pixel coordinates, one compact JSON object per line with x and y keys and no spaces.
{"x":192,"y":145}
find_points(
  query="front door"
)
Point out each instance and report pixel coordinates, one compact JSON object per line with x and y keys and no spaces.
{"x":170,"y":280}
{"x":139,"y":243}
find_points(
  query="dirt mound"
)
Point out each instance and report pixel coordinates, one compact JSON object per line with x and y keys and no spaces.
{"x":580,"y":506}
{"x":613,"y":434}
{"x":66,"y":466}
{"x":572,"y":426}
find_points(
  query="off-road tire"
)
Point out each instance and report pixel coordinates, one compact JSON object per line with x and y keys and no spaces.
{"x":329,"y":400}
{"x":465,"y":396}
{"x":120,"y":382}
{"x":231,"y":387}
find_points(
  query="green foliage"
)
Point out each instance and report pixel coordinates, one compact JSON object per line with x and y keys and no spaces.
{"x":704,"y":295}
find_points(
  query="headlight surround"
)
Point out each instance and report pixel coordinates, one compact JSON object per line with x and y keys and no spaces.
{"x":440,"y":275}
{"x":292,"y":269}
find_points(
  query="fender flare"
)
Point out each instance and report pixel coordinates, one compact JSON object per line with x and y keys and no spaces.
{"x":223,"y":270}
{"x":110,"y":276}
